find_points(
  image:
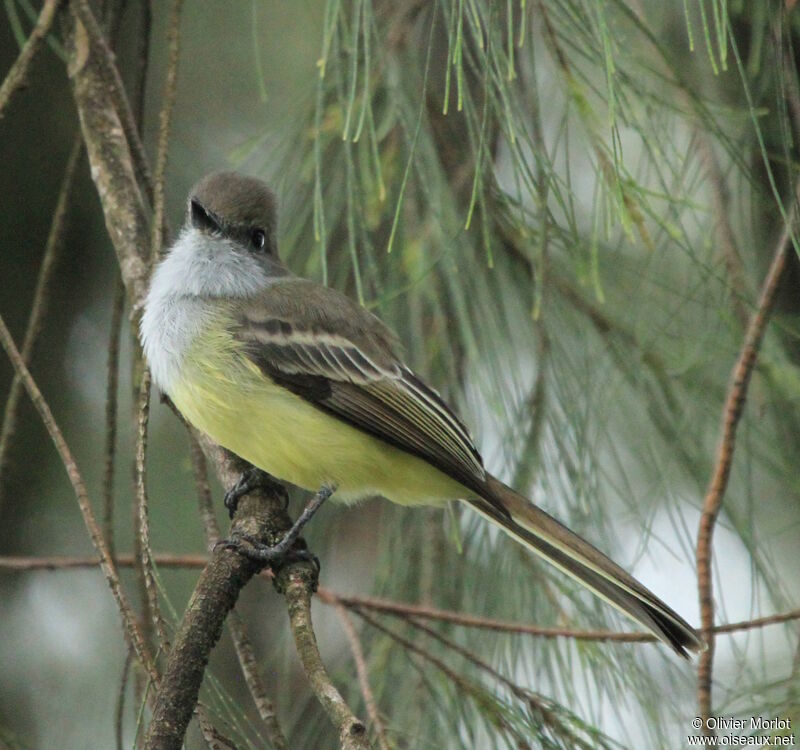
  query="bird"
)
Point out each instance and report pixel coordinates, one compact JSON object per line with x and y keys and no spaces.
{"x":308,"y":386}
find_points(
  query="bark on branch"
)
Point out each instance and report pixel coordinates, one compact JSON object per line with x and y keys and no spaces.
{"x":731,"y":415}
{"x":125,"y":208}
{"x":298,"y":586}
{"x":214,"y":596}
{"x":15,"y":78}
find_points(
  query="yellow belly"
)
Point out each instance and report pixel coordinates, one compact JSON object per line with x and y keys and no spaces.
{"x":228,"y":398}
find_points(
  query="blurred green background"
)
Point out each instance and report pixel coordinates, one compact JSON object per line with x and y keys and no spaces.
{"x":557,"y":269}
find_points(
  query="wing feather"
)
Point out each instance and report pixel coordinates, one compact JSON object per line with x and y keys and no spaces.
{"x":374,"y":393}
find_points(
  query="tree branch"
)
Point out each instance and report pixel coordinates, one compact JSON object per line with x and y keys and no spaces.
{"x":15,"y":77}
{"x":726,"y":238}
{"x":297,"y":585}
{"x":95,"y":534}
{"x":106,"y":67}
{"x":112,"y":383}
{"x":465,"y":685}
{"x":386,"y":606}
{"x":731,"y":414}
{"x":152,"y":608}
{"x":41,"y":299}
{"x":214,"y":596}
{"x":124,"y":206}
{"x":535,"y":701}
{"x":119,"y":709}
{"x":241,"y":640}
{"x":361,"y":671}
{"x":165,"y":122}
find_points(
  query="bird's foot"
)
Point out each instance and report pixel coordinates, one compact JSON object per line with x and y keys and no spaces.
{"x":250,"y":480}
{"x":282,"y":553}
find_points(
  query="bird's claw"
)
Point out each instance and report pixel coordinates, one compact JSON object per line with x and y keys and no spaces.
{"x":284,"y":551}
{"x":249,"y":480}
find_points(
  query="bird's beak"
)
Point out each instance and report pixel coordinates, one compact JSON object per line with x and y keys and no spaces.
{"x":204,"y":219}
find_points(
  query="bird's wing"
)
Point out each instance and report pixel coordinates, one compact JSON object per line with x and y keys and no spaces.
{"x":335,"y":354}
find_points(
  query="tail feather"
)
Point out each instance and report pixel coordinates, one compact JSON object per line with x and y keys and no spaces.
{"x":553,"y":541}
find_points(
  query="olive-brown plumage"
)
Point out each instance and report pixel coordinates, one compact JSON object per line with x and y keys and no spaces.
{"x":307,"y":385}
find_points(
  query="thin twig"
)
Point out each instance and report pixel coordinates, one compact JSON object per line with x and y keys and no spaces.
{"x":113,"y":148}
{"x":215,"y":740}
{"x":792,"y":89}
{"x":413,"y":648}
{"x":143,"y":529}
{"x":41,"y":301}
{"x":534,"y":701}
{"x":112,"y":382}
{"x":142,"y":62}
{"x":472,"y":658}
{"x":78,"y":485}
{"x":119,"y":711}
{"x":462,"y":683}
{"x":107,"y":69}
{"x":361,"y":671}
{"x":534,"y":408}
{"x":15,"y":77}
{"x":24,"y":564}
{"x":142,"y":575}
{"x":402,"y":609}
{"x":758,"y":622}
{"x":254,"y":680}
{"x":607,"y":168}
{"x":386,"y":606}
{"x":297,"y":585}
{"x":732,"y":412}
{"x":165,"y":121}
{"x":725,"y":235}
{"x":205,"y":503}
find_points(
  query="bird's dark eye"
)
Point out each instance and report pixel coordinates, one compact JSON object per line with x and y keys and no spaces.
{"x":258,"y":238}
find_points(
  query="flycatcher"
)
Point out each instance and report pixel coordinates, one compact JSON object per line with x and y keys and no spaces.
{"x":306,"y":385}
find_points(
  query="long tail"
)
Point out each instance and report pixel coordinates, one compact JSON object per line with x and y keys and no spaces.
{"x":545,"y":536}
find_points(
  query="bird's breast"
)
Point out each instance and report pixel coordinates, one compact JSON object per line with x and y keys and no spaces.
{"x":224,"y":394}
{"x":170,"y":327}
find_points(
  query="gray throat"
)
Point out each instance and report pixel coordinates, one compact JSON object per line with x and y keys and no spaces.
{"x":186,"y":289}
